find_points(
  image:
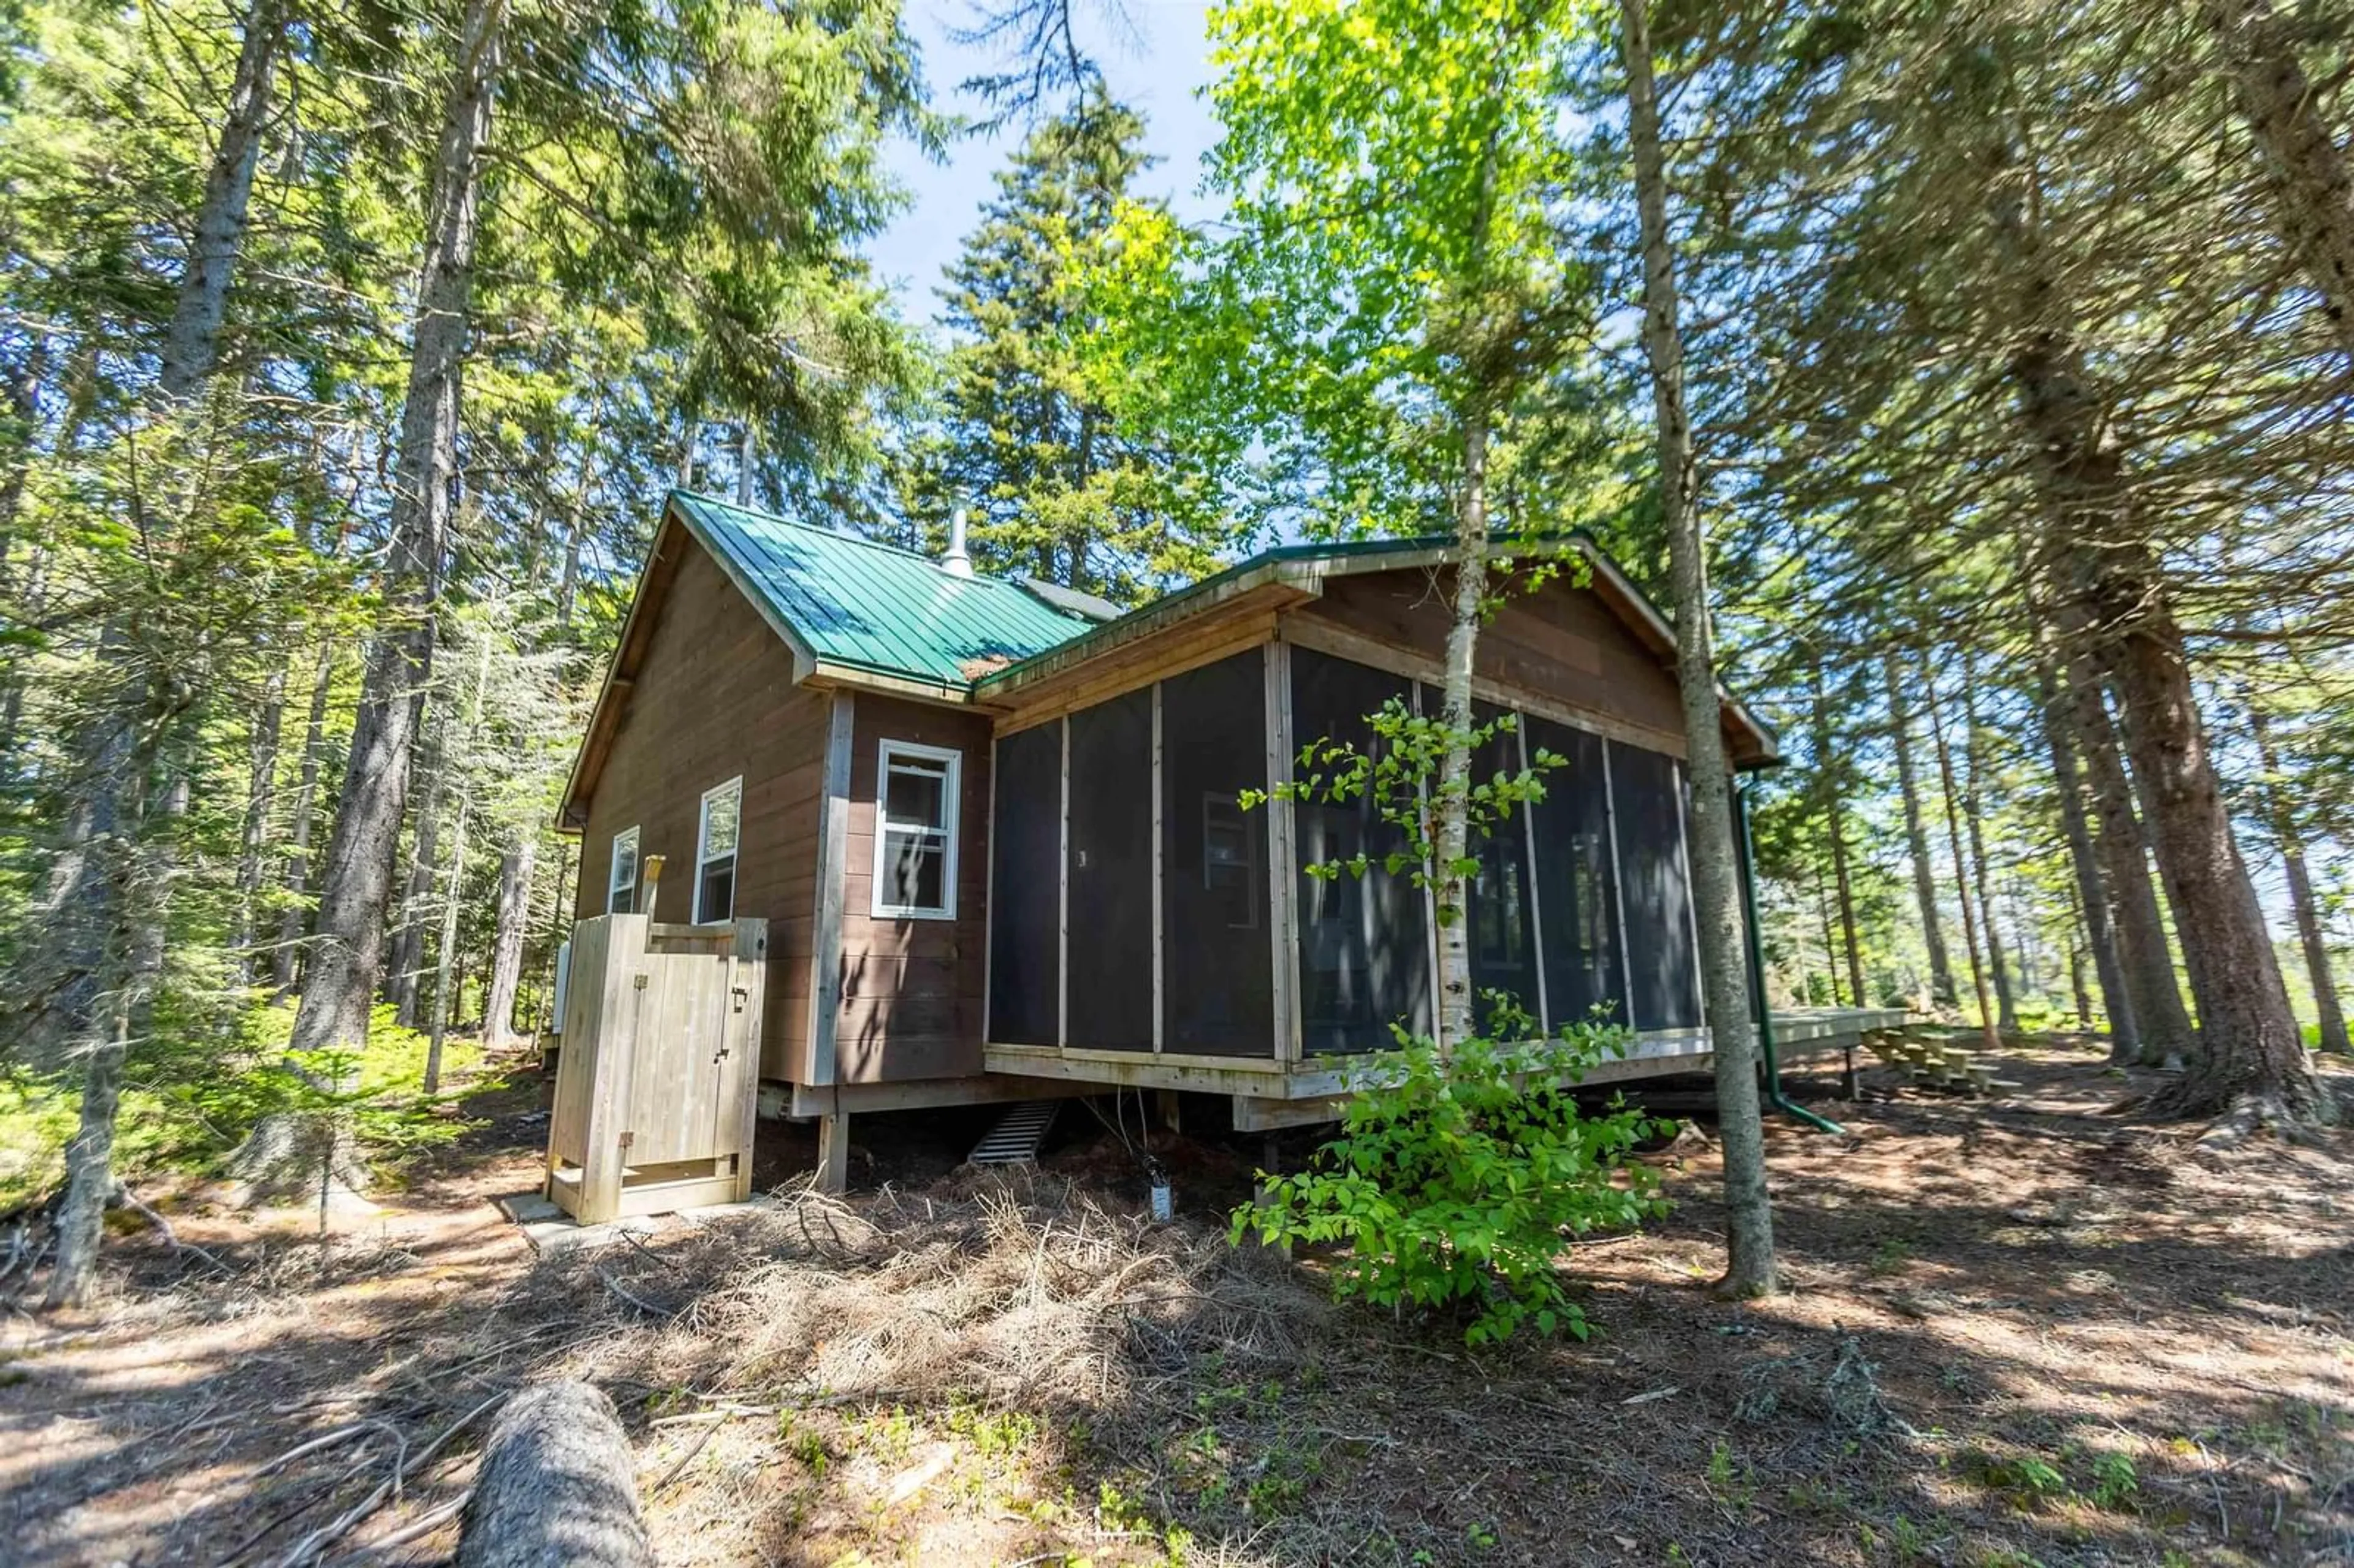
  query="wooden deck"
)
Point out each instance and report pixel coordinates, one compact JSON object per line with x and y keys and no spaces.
{"x":1270,"y":1093}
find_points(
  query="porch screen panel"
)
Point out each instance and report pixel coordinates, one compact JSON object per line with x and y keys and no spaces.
{"x":1110,"y":943}
{"x":1024,"y":900}
{"x":1576,"y":903}
{"x":1502,"y":907}
{"x":1364,"y":943}
{"x":1217,"y":965}
{"x":1648,"y":787}
{"x":1498,"y":908}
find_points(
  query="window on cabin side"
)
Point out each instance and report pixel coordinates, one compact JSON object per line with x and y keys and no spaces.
{"x":714,"y":852}
{"x":621,"y":875}
{"x":915,"y":831}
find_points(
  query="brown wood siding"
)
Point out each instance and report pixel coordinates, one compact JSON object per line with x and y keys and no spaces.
{"x":1561,"y":643}
{"x":714,"y":699}
{"x":912,"y":990}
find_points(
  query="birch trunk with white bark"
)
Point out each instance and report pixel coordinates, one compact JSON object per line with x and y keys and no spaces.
{"x":1715,"y":871}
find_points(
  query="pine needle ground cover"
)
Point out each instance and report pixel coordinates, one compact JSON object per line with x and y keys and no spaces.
{"x":2021,"y":1333}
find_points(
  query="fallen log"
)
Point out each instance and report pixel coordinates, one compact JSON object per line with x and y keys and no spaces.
{"x":557,"y":1486}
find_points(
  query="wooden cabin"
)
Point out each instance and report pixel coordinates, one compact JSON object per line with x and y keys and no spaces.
{"x":996,"y":828}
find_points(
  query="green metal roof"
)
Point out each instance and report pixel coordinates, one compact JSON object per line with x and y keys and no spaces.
{"x":874,"y":606}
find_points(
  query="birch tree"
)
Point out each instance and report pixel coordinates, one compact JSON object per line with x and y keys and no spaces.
{"x":1712,"y":850}
{"x":1390,"y":290}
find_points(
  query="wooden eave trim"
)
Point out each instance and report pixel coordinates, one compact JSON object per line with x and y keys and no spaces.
{"x":1279,"y":582}
{"x":947,"y":693}
{"x":1157,"y":643}
{"x":1413,"y":664}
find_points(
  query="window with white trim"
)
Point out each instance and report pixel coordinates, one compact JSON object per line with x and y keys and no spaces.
{"x":714,"y":852}
{"x":915,"y":831}
{"x":621,"y":875}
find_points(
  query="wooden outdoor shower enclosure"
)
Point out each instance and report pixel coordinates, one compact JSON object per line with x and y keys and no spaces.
{"x":656,"y":1088}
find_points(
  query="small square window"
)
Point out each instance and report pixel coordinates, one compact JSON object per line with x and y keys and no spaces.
{"x":621,"y":875}
{"x":915,"y":831}
{"x":715,"y":853}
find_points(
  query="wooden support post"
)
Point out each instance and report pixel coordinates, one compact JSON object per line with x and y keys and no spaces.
{"x":833,"y":1152}
{"x":1165,"y":1101}
{"x":623,"y":987}
{"x":740,"y":1040}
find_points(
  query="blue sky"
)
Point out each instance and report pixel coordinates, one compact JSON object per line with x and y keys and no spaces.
{"x":1155,"y":68}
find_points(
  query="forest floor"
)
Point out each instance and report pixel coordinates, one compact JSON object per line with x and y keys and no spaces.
{"x":2028,"y":1331}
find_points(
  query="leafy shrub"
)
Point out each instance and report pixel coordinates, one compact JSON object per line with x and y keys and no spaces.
{"x":2115,"y":1480}
{"x":1455,"y":1174}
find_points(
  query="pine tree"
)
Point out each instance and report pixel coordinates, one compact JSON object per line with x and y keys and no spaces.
{"x":1058,"y":485}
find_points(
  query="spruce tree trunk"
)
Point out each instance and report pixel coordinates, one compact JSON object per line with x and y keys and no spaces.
{"x":260,"y":800}
{"x":130,"y":956}
{"x":89,"y":1154}
{"x":24,"y":413}
{"x":357,"y":876}
{"x":192,"y":345}
{"x":1830,"y":941}
{"x":2092,"y":896}
{"x":2251,"y":1065}
{"x":295,"y":921}
{"x":2310,"y":936}
{"x":445,"y":959}
{"x":2311,"y":176}
{"x":1715,"y":869}
{"x":2249,"y":1061}
{"x":567,"y":586}
{"x":2076,"y":978}
{"x":2160,"y":1019}
{"x":1973,"y":813}
{"x":506,"y":952}
{"x":408,"y":961}
{"x":132,"y":816}
{"x":1961,"y":874}
{"x":2330,"y":1016}
{"x":1835,"y":808}
{"x":1916,"y":839}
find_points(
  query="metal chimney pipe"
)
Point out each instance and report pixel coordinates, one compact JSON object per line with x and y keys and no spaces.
{"x":957,"y":562}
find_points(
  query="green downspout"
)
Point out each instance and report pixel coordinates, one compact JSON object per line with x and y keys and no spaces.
{"x":1773,"y":1068}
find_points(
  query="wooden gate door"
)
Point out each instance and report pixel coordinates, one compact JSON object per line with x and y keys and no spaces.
{"x":656,"y":1091}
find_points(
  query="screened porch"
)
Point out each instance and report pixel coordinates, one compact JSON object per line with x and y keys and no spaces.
{"x":1146,"y":929}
